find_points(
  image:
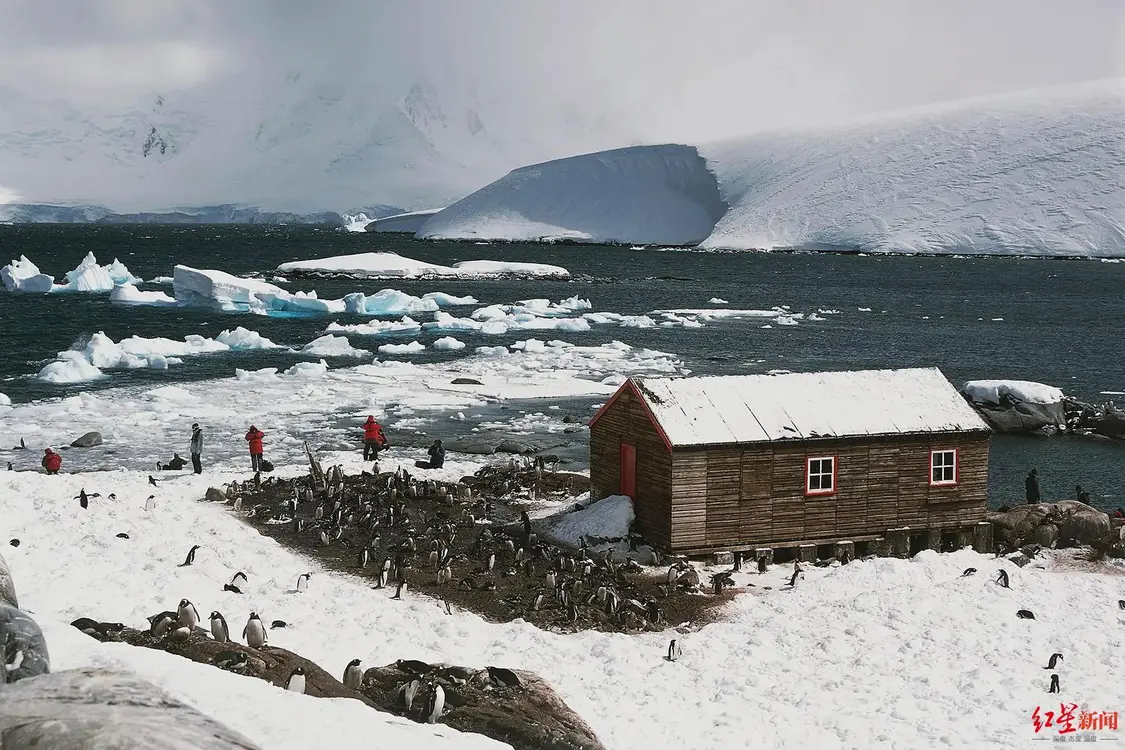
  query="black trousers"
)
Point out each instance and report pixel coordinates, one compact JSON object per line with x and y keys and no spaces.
{"x":370,"y":450}
{"x":196,"y":464}
{"x":256,"y":461}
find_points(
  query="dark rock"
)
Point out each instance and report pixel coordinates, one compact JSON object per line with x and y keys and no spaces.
{"x":7,"y":585}
{"x":462,"y":446}
{"x":1074,"y":523}
{"x":215,"y":495}
{"x":89,"y":440}
{"x":1024,"y":417}
{"x":84,"y":709}
{"x":517,"y":447}
{"x":570,"y":419}
{"x":466,"y":381}
{"x":22,"y":643}
{"x":527,"y":716}
{"x":1019,"y":559}
{"x":1047,"y":535}
{"x":274,"y":665}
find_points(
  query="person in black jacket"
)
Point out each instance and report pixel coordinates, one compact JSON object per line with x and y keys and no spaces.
{"x":437,"y":455}
{"x":1031,"y":487}
{"x":1081,"y":495}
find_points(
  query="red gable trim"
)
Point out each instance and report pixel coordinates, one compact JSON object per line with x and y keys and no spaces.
{"x":629,"y":385}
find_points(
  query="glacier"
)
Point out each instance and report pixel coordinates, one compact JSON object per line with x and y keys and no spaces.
{"x":1033,"y":173}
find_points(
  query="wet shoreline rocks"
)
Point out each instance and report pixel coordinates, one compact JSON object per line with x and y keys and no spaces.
{"x":1017,"y":407}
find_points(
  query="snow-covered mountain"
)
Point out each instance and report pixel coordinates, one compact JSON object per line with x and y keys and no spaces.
{"x":299,"y":146}
{"x":1038,"y":173}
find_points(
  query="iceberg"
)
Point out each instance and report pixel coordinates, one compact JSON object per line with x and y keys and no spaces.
{"x":90,"y":277}
{"x":408,"y":223}
{"x":24,"y":276}
{"x":217,"y":288}
{"x":448,"y":344}
{"x":1034,"y":173}
{"x":393,"y":265}
{"x":412,"y":348}
{"x":128,"y":294}
{"x":333,"y":346}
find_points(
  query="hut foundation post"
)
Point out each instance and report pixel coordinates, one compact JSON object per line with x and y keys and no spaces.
{"x":723,"y":558}
{"x":982,"y":537}
{"x":881,"y":547}
{"x":964,"y":539}
{"x":933,"y":539}
{"x":806,"y":553}
{"x":900,"y":541}
{"x":848,"y":547}
{"x":760,"y":552}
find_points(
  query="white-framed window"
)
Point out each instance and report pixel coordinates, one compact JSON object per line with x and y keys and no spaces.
{"x":943,"y":467}
{"x":820,"y":475}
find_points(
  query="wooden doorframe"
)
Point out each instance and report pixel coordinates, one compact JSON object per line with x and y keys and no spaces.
{"x":627,"y":474}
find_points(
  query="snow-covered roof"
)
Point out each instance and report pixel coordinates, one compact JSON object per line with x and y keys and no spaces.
{"x":764,"y":408}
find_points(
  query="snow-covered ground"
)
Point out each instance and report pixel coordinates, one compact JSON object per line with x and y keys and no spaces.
{"x":994,"y":391}
{"x":878,"y":654}
{"x":1039,"y":173}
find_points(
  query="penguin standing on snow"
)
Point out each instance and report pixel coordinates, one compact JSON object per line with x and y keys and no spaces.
{"x":399,"y":589}
{"x":190,"y":556}
{"x":83,"y":498}
{"x":762,"y":566}
{"x":353,"y":675}
{"x":296,"y":681}
{"x":254,"y":632}
{"x":1002,"y":578}
{"x":236,"y":583}
{"x":219,"y":628}
{"x":1054,"y":684}
{"x":673,"y":650}
{"x":150,"y":503}
{"x":1053,"y":661}
{"x":303,"y":583}
{"x":187,"y":615}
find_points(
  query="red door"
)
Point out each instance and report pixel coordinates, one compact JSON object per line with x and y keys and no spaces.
{"x":628,"y":471}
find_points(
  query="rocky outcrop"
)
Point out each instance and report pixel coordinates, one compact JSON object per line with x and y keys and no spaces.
{"x":1009,"y":412}
{"x":1068,"y":523}
{"x":274,"y":665}
{"x":215,"y":495}
{"x":89,"y":440}
{"x":99,"y":708}
{"x":7,"y":585}
{"x":22,"y":647}
{"x":1024,"y":417}
{"x":511,"y":706}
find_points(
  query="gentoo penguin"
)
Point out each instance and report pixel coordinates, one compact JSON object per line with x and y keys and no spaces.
{"x":1054,"y":684}
{"x":190,"y":556}
{"x":353,"y":675}
{"x":150,"y":504}
{"x":11,"y":466}
{"x":793,"y":578}
{"x":435,"y":704}
{"x":762,"y":565}
{"x":254,"y":632}
{"x":673,"y":650}
{"x":296,"y":681}
{"x":502,"y":677}
{"x":1002,"y":578}
{"x":1025,"y":614}
{"x":278,"y":624}
{"x":160,"y":624}
{"x":409,"y":692}
{"x":219,"y":628}
{"x":303,"y":582}
{"x":364,"y":556}
{"x":187,"y":615}
{"x":83,"y":499}
{"x":122,"y":535}
{"x":413,"y":666}
{"x":399,"y":589}
{"x":229,"y":659}
{"x":968,"y":572}
{"x":180,"y":634}
{"x":1053,"y":661}
{"x":151,"y":480}
{"x":237,"y":582}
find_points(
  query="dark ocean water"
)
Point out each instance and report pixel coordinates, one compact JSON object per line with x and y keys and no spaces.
{"x":1053,"y":321}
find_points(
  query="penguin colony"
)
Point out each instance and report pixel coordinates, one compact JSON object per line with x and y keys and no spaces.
{"x":404,"y":534}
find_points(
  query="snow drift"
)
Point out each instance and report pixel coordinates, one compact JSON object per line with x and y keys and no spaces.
{"x":1037,"y":173}
{"x":643,"y":194}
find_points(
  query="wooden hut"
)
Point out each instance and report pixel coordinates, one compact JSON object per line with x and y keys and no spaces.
{"x":750,"y":461}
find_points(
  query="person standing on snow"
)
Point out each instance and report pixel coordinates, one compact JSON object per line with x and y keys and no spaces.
{"x":254,"y":437}
{"x":1031,"y":487}
{"x":52,"y":461}
{"x":373,"y":439}
{"x":196,"y":448}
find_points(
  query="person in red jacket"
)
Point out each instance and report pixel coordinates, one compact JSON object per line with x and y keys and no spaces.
{"x":373,"y":439}
{"x":52,"y":461}
{"x":254,"y":437}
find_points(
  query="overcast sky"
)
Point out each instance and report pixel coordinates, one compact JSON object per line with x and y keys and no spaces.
{"x":666,"y":68}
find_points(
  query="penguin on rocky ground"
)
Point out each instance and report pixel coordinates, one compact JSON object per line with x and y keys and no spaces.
{"x":161,"y":623}
{"x":187,"y":615}
{"x":219,"y":628}
{"x":254,"y":632}
{"x":435,"y":704}
{"x":353,"y":675}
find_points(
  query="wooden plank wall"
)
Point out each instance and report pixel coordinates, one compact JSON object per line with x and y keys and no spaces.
{"x":626,"y":421}
{"x":881,"y":483}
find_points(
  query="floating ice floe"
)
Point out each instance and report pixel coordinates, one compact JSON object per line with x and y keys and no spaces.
{"x":4,"y":400}
{"x":24,"y":276}
{"x":128,"y":294}
{"x":406,"y":325}
{"x":333,"y":346}
{"x":392,"y":265}
{"x":102,"y":353}
{"x":224,"y":291}
{"x":412,"y":348}
{"x":449,"y":344}
{"x":689,"y":318}
{"x":301,"y":370}
{"x":717,"y":301}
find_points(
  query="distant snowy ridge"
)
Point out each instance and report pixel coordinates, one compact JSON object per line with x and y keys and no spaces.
{"x":1038,"y":173}
{"x":43,"y":213}
{"x":393,"y":265}
{"x":642,"y":194}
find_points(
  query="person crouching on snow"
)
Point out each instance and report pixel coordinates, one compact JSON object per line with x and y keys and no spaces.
{"x":254,"y":438}
{"x":52,"y":461}
{"x":437,"y":455}
{"x":373,"y":439}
